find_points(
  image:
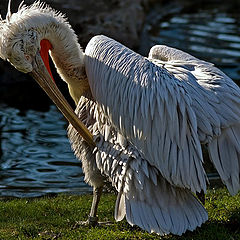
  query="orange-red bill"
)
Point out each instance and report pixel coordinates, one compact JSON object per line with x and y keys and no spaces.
{"x":44,"y":52}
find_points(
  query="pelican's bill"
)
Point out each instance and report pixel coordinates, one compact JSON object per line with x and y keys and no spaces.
{"x":43,"y":78}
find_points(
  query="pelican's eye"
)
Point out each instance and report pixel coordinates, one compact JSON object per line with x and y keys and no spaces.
{"x":27,"y":57}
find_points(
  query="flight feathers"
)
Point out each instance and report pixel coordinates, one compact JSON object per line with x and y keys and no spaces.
{"x":145,"y":198}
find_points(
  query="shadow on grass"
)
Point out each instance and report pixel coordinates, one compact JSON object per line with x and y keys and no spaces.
{"x":211,"y":230}
{"x":233,"y":225}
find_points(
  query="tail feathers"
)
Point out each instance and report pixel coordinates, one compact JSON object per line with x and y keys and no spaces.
{"x":145,"y":197}
{"x":162,"y":208}
{"x":224,"y":152}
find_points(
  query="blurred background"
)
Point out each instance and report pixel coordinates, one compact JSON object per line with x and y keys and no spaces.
{"x":35,"y":155}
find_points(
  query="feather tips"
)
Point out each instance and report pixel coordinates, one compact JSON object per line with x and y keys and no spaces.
{"x":225,"y":154}
{"x":145,"y":197}
{"x":171,"y":109}
{"x":215,"y":100}
{"x":155,"y":148}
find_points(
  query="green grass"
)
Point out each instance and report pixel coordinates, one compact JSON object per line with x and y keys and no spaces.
{"x":56,"y":218}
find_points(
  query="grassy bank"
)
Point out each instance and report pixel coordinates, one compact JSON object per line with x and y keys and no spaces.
{"x":57,"y":218}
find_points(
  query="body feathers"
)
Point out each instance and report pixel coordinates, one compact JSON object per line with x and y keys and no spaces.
{"x":150,"y":117}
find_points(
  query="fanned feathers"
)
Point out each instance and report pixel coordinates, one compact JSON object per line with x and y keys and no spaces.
{"x":216,"y":103}
{"x":144,"y":196}
{"x":167,"y":135}
{"x":150,"y":117}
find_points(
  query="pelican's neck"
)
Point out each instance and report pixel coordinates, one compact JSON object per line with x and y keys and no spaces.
{"x":68,"y":58}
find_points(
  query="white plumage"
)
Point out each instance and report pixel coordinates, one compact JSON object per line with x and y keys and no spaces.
{"x":216,"y":103}
{"x":149,"y":117}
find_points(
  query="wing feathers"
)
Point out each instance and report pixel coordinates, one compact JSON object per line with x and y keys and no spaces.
{"x":145,"y":197}
{"x":165,"y":116}
{"x":120,"y":209}
{"x":151,"y":109}
{"x":169,"y":212}
{"x":225,"y":154}
{"x":216,"y":103}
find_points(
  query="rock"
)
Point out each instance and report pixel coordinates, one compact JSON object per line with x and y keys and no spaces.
{"x":120,"y":19}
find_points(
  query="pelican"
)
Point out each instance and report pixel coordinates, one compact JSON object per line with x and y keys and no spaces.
{"x":139,"y":122}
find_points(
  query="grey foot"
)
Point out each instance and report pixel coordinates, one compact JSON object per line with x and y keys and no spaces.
{"x":92,"y":222}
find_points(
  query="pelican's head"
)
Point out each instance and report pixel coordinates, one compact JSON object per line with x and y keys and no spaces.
{"x":25,"y":40}
{"x":20,"y":36}
{"x":19,"y":49}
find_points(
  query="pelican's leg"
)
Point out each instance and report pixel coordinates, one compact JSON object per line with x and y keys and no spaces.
{"x":93,"y":219}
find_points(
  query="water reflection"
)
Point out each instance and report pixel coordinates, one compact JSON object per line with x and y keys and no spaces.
{"x":209,"y":34}
{"x":36,"y":155}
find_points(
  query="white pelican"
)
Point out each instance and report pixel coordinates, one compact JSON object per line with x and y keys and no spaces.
{"x":145,"y":118}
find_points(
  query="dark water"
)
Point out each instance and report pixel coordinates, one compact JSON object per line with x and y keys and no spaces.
{"x":209,"y":34}
{"x":35,"y":153}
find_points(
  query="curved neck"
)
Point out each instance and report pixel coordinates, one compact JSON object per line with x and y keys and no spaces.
{"x":68,"y":57}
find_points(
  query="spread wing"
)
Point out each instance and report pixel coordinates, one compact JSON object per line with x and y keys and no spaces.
{"x":145,"y":198}
{"x":216,"y":103}
{"x":150,"y":107}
